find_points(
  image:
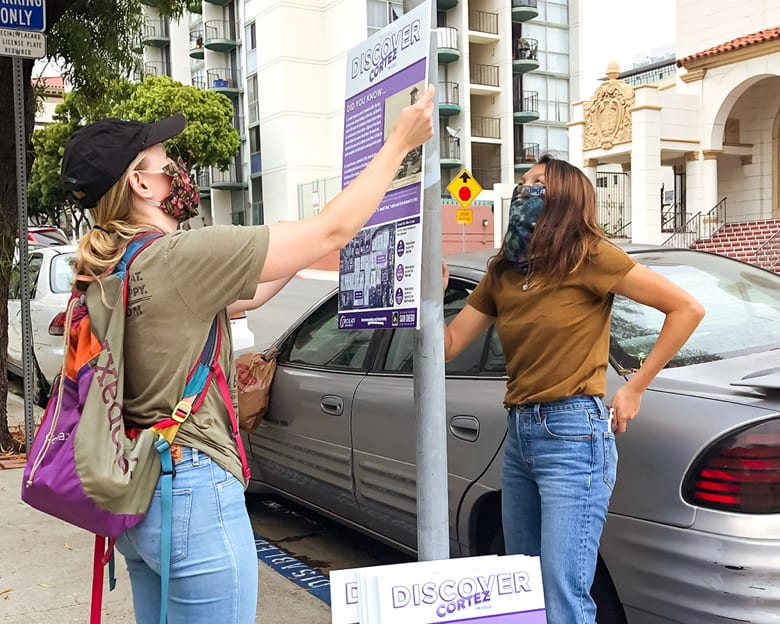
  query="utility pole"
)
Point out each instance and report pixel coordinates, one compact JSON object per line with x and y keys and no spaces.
{"x":433,"y":529}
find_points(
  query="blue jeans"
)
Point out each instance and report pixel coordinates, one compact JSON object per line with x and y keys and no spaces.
{"x":213,"y":574}
{"x":560,"y":464}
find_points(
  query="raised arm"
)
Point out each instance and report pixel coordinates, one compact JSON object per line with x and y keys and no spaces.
{"x":264,"y":293}
{"x":294,"y":245}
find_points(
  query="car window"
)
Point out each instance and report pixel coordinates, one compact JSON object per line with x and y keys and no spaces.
{"x":14,"y":283}
{"x":401,"y":350}
{"x":35,"y":262}
{"x":742,"y":304}
{"x":49,"y":237}
{"x":494,"y":356}
{"x":62,"y":272}
{"x":319,"y":341}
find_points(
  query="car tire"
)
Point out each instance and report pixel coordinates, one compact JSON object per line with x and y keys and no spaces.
{"x":609,"y":610}
{"x":40,"y":390}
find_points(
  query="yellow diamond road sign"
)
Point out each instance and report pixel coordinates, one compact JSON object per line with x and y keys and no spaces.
{"x":464,"y":188}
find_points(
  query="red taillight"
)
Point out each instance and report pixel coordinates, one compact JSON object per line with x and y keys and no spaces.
{"x":740,"y":473}
{"x":57,"y":325}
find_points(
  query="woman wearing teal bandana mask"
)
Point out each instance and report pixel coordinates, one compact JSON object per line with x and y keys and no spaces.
{"x":549,"y":290}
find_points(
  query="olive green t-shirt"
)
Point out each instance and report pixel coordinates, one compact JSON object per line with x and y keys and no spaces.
{"x":176,"y":287}
{"x":555,"y":336}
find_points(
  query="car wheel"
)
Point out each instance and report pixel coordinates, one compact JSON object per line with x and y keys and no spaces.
{"x":609,"y":610}
{"x":496,"y":543}
{"x":40,"y":390}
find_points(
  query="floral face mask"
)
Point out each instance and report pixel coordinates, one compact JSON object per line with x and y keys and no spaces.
{"x":524,"y":210}
{"x":182,"y":202}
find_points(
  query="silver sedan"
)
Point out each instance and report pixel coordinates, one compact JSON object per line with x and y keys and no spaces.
{"x":693,"y":533}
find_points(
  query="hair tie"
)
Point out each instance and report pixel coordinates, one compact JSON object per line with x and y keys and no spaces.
{"x":102,"y":229}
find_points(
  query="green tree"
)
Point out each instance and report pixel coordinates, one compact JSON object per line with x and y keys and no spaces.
{"x":209,"y":139}
{"x":95,"y":41}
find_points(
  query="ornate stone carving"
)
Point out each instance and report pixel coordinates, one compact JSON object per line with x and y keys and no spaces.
{"x":608,"y":113}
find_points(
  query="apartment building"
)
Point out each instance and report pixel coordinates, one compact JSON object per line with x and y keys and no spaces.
{"x":503,"y":90}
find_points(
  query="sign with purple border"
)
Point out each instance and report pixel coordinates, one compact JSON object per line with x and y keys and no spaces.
{"x":483,"y":590}
{"x":385,"y":73}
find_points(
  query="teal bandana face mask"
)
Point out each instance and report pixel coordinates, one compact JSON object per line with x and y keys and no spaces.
{"x":524,"y":210}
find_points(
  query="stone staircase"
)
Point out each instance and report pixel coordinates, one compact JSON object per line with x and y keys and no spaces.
{"x":756,"y":242}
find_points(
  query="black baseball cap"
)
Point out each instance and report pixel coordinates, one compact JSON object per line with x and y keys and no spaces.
{"x":97,"y":155}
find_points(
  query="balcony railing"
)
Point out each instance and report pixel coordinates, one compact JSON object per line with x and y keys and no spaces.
{"x":447,"y":37}
{"x":525,"y":48}
{"x":154,"y":68}
{"x":486,"y":75}
{"x":220,"y":35}
{"x":528,"y":154}
{"x":449,"y":98}
{"x":199,"y":80}
{"x":204,"y":179}
{"x":156,"y":33}
{"x":484,"y":22}
{"x":486,"y":127}
{"x":524,"y":10}
{"x":526,"y":106}
{"x":227,"y":179}
{"x":196,"y":44}
{"x":223,"y":79}
{"x":449,"y":149}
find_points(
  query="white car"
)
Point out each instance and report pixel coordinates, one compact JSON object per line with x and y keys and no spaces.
{"x":51,"y":273}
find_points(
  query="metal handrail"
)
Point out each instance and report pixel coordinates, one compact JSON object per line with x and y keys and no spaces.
{"x":699,"y":226}
{"x":767,"y":254}
{"x":713,"y":220}
{"x":685,"y":235}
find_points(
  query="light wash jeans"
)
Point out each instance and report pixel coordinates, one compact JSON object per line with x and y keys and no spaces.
{"x":213,"y":576}
{"x":560,"y":464}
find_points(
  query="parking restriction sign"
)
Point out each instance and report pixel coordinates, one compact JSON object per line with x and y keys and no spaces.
{"x":464,"y":188}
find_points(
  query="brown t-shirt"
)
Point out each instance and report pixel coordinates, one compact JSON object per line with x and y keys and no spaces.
{"x":555,"y":337}
{"x":176,"y":287}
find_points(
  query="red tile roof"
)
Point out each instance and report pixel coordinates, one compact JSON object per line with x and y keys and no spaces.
{"x":735,"y":44}
{"x":50,"y":82}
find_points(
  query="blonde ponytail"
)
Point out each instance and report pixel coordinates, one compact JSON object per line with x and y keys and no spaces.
{"x":101,"y":248}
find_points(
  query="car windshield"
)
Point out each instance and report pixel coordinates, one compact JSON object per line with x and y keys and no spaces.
{"x":62,"y":272}
{"x":742,"y":303}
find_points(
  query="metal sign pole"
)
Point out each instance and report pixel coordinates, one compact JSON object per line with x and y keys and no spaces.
{"x":21,"y":194}
{"x":433,"y":534}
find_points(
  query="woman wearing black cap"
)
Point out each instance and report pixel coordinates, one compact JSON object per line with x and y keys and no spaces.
{"x":120,"y":170}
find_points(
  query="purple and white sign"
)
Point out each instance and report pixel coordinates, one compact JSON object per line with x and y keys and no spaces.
{"x":483,"y":590}
{"x":385,"y":73}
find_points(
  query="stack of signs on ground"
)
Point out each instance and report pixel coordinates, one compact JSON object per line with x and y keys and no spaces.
{"x":483,"y":590}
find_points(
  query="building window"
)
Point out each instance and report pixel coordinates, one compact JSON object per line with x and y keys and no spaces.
{"x":251,"y":36}
{"x":553,"y":96}
{"x":382,"y":12}
{"x":554,"y":11}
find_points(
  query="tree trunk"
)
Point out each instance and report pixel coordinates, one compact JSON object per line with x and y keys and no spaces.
{"x":9,"y":215}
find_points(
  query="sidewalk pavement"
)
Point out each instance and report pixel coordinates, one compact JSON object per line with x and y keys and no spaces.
{"x":46,"y":566}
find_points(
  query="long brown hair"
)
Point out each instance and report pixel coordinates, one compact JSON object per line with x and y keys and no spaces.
{"x":566,"y":234}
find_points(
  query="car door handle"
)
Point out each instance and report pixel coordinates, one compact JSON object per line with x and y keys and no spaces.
{"x":331,"y":404}
{"x":465,"y":427}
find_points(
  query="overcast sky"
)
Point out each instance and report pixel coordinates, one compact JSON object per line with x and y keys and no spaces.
{"x":619,"y":30}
